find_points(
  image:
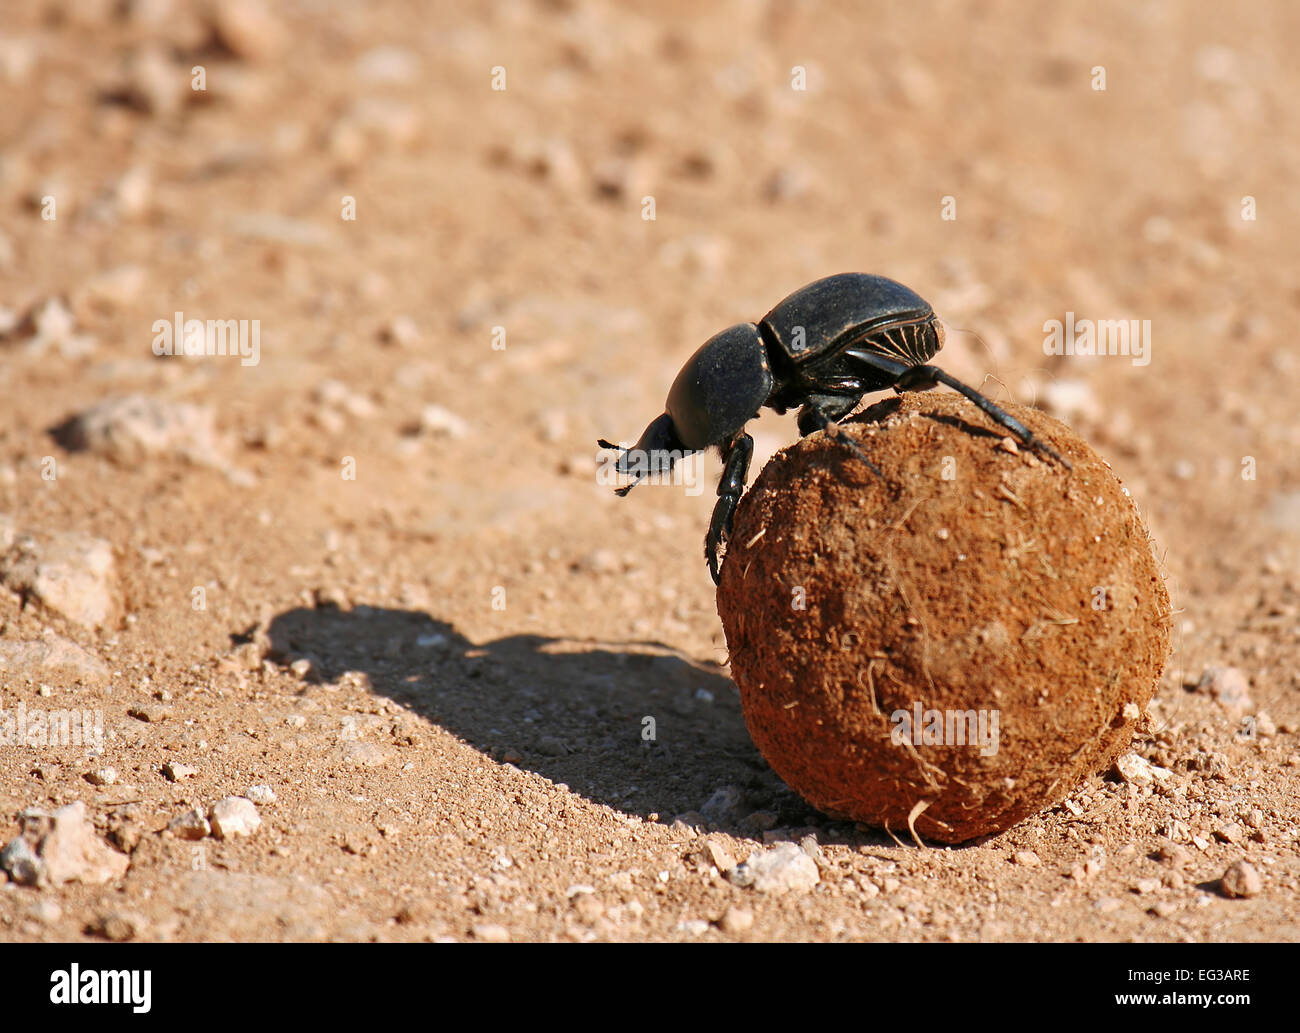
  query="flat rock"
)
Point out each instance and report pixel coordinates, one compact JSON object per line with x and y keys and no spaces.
{"x":132,"y":428}
{"x":51,"y":660}
{"x":150,"y":713}
{"x":1228,"y":686}
{"x":62,"y":847}
{"x":364,"y":755}
{"x":71,"y":574}
{"x":241,"y":907}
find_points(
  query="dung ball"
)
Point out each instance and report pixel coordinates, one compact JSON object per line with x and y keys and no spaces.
{"x":950,"y":648}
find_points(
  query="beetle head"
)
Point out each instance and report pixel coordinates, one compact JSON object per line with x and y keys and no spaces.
{"x":656,"y":452}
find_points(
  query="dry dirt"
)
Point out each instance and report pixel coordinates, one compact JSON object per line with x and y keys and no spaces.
{"x":431,"y":632}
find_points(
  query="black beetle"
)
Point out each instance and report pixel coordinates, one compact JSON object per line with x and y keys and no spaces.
{"x":821,"y":350}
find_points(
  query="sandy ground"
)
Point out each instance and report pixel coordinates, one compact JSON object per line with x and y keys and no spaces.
{"x":374,"y":571}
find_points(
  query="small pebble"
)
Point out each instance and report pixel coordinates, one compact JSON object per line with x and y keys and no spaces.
{"x":45,"y":911}
{"x":439,"y":422}
{"x":193,"y":824}
{"x":401,"y":331}
{"x":809,"y":845}
{"x":174,"y":771}
{"x":737,"y":920}
{"x":234,"y":816}
{"x":779,"y":870}
{"x":722,"y":805}
{"x":118,"y":926}
{"x":1136,"y":769}
{"x":364,"y":755}
{"x":1174,"y":855}
{"x":719,"y":856}
{"x":247,"y":29}
{"x":1241,"y":880}
{"x":1228,"y":686}
{"x":20,"y":861}
{"x":762,"y":820}
{"x":588,"y":907}
{"x":151,"y":713}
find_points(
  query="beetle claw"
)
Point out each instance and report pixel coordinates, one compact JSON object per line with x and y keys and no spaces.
{"x":852,"y":445}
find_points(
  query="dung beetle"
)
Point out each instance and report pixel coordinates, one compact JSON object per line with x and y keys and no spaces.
{"x":820,"y":350}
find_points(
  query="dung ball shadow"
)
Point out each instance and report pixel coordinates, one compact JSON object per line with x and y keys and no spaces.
{"x":635,"y":726}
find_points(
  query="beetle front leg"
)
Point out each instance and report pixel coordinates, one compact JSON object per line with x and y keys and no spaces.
{"x":922,"y":378}
{"x":735,"y":471}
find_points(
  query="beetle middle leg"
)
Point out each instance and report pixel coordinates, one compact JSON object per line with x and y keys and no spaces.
{"x":735,"y":471}
{"x":922,"y":378}
{"x":822,"y":412}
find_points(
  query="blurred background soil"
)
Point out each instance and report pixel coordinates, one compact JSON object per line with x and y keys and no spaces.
{"x":375,"y":571}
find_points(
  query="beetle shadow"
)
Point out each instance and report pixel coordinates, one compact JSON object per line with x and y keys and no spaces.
{"x":879,"y":411}
{"x":575,"y":712}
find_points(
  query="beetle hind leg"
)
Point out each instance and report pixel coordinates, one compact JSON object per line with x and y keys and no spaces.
{"x":735,"y":471}
{"x":922,"y":378}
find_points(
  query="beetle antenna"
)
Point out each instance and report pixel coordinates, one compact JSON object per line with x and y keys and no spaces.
{"x":983,"y":343}
{"x":620,"y":492}
{"x":988,"y":351}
